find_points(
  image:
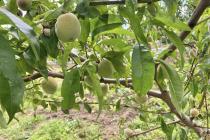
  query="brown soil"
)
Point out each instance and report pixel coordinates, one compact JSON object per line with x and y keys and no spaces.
{"x":108,"y":120}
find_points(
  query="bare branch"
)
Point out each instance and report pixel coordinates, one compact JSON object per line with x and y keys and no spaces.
{"x":183,"y":118}
{"x":112,"y":2}
{"x":125,"y":82}
{"x":38,"y":75}
{"x":202,"y":99}
{"x":152,"y":129}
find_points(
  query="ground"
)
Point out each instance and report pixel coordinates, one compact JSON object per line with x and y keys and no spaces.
{"x":75,"y":125}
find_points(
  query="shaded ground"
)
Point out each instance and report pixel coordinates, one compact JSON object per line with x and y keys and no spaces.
{"x":108,"y":121}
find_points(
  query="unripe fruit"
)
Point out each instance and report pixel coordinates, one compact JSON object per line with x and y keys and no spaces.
{"x":105,"y":68}
{"x":104,"y":88}
{"x":141,"y":99}
{"x":67,"y":27}
{"x":24,"y":5}
{"x":194,"y":112}
{"x":49,"y":86}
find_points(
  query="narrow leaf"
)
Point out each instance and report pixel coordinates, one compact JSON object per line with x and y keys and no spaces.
{"x":24,"y":28}
{"x":179,"y":25}
{"x":175,"y":85}
{"x":178,"y":43}
{"x":135,"y":22}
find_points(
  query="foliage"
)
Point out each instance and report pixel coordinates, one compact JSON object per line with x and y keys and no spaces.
{"x":139,"y":39}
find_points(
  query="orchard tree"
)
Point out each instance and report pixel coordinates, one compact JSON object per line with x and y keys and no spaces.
{"x":159,"y":49}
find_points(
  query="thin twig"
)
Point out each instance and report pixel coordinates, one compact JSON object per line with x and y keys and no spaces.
{"x":125,"y":82}
{"x":192,"y":70}
{"x":203,"y":98}
{"x":75,"y":62}
{"x":112,"y":2}
{"x":207,"y":116}
{"x":198,"y":12}
{"x":150,"y":130}
{"x":206,"y":19}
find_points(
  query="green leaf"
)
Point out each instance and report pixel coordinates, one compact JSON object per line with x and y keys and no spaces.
{"x":63,"y":59}
{"x":183,"y":134}
{"x":96,"y":87}
{"x":11,"y":84}
{"x":118,"y":105}
{"x":70,"y":86}
{"x":81,"y":91}
{"x":176,"y":24}
{"x":168,"y":130}
{"x":31,"y":60}
{"x":12,"y":6}
{"x":53,"y":14}
{"x":160,"y":77}
{"x":152,"y":9}
{"x":83,"y":9}
{"x":87,"y":107}
{"x":178,"y":43}
{"x":3,"y":123}
{"x":104,"y":28}
{"x":143,"y":70}
{"x":119,"y":31}
{"x":175,"y":85}
{"x":24,"y":28}
{"x":171,"y":7}
{"x":118,"y":61}
{"x":85,"y":30}
{"x":51,"y":43}
{"x":117,"y":43}
{"x":130,"y":13}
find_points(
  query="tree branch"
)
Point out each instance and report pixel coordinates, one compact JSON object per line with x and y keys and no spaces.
{"x":203,"y":98}
{"x":165,"y":96}
{"x":183,"y":118}
{"x":112,"y":2}
{"x":192,"y":23}
{"x":125,"y":82}
{"x":150,"y":130}
{"x":38,"y":75}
